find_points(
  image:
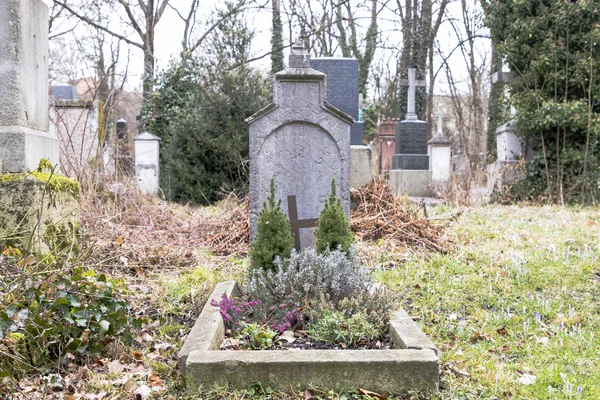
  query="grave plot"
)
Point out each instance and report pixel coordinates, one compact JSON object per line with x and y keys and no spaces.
{"x":309,"y":313}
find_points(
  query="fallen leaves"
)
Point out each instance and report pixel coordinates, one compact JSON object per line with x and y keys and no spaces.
{"x":365,"y":392}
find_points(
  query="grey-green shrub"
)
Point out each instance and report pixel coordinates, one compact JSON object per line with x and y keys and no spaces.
{"x":306,"y":276}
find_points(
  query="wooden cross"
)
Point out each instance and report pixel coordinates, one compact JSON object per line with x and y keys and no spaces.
{"x":412,"y":84}
{"x":298,"y":223}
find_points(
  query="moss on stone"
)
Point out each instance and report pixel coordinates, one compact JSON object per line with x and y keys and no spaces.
{"x":56,"y":183}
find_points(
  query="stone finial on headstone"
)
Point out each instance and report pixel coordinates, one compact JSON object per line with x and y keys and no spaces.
{"x":299,"y":57}
{"x":440,"y":128}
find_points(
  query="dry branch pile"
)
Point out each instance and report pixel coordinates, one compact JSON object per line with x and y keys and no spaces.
{"x":136,"y":231}
{"x":229,"y":233}
{"x":379,"y":215}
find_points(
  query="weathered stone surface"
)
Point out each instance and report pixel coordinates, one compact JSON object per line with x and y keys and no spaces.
{"x":360,"y":166}
{"x":147,"y":152}
{"x":21,"y":148}
{"x":35,"y":216}
{"x":415,"y":183}
{"x":381,"y":371}
{"x":412,"y":366}
{"x":303,"y":143}
{"x":24,"y":139}
{"x":405,"y":333}
{"x":24,"y":64}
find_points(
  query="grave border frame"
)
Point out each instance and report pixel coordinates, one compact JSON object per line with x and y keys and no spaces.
{"x":411,"y":366}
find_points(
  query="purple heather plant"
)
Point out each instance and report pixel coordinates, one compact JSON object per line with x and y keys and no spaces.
{"x":280,"y":317}
{"x":234,"y":311}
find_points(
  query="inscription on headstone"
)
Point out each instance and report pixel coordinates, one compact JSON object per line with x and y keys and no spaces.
{"x":411,"y":138}
{"x":342,"y":89}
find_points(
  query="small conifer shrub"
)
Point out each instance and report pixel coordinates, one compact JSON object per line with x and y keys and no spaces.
{"x":333,"y":227}
{"x":273,"y":234}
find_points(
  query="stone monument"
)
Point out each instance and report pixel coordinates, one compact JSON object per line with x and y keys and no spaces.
{"x":24,"y":136}
{"x":146,"y":147}
{"x":303,"y":142}
{"x":410,"y":173}
{"x":440,"y":154}
{"x":39,"y":211}
{"x":342,"y":93}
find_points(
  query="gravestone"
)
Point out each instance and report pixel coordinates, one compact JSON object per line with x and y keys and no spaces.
{"x":342,"y":93}
{"x":410,"y":173}
{"x":146,"y":147}
{"x":411,"y":134}
{"x":34,"y":215}
{"x":386,"y":143}
{"x":302,"y":142}
{"x":342,"y":89}
{"x":440,"y":152}
{"x":24,"y":136}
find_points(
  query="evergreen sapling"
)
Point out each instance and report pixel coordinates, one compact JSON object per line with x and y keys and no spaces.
{"x":273,"y":234}
{"x":333,"y":227}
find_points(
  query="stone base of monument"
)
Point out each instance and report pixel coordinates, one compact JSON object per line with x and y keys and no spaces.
{"x":27,"y":147}
{"x":37,"y":217}
{"x":360,"y":166}
{"x":413,"y":183}
{"x":503,"y":173}
{"x":411,"y":366}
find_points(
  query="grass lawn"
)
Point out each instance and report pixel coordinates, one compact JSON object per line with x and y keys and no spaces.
{"x":514,"y":308}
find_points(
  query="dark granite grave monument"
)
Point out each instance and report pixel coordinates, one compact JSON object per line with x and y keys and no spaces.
{"x":342,"y":89}
{"x":411,"y":135}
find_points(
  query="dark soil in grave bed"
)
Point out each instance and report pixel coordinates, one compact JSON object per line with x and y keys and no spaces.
{"x":302,"y":342}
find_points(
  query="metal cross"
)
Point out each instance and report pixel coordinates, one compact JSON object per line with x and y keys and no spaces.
{"x":296,"y":223}
{"x":412,"y":84}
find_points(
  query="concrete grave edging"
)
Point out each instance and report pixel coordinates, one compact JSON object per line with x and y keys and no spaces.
{"x":412,"y":366}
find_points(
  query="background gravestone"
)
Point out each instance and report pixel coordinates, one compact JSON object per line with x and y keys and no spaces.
{"x":410,"y":174}
{"x":342,"y":89}
{"x":302,"y":142}
{"x":24,"y":137}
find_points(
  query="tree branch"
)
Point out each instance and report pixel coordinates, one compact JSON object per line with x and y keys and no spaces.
{"x":97,"y":26}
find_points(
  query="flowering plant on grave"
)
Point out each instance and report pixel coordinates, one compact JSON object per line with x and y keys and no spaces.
{"x":235,"y":312}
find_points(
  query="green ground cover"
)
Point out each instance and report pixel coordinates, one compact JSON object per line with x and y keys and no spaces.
{"x":514,"y":308}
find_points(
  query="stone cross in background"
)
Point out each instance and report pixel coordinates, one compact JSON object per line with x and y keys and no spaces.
{"x":440,"y":130}
{"x":412,"y":84}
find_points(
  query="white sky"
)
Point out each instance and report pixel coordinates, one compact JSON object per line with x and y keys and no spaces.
{"x":169,"y":35}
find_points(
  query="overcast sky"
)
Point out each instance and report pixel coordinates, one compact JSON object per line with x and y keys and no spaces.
{"x":169,"y":36}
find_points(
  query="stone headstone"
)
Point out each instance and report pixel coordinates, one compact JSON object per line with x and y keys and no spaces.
{"x":440,"y":152}
{"x":302,"y":142}
{"x":411,"y":146}
{"x":146,"y":147}
{"x":24,"y":137}
{"x":342,"y":89}
{"x":411,"y":134}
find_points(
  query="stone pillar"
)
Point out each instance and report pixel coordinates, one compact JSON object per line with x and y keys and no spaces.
{"x":302,"y":142}
{"x":24,"y":136}
{"x":386,"y":143}
{"x":147,"y":162}
{"x":440,"y":159}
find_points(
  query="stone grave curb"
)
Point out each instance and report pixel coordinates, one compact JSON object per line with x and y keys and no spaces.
{"x":412,"y":366}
